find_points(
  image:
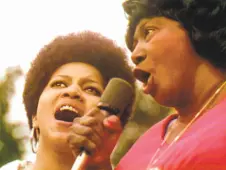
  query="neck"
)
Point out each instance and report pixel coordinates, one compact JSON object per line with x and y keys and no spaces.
{"x":47,"y":159}
{"x":207,"y":81}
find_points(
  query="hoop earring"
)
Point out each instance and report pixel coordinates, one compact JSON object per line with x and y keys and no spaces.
{"x":34,"y":139}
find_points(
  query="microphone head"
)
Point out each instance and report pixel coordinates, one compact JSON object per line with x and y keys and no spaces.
{"x":116,"y":97}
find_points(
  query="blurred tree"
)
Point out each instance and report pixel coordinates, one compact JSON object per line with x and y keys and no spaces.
{"x":147,"y":112}
{"x":9,"y":145}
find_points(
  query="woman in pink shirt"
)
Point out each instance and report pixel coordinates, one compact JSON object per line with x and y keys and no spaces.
{"x":179,"y":49}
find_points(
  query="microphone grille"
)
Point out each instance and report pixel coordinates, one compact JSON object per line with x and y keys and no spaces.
{"x":117,"y":96}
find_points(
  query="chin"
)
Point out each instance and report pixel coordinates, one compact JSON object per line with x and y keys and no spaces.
{"x":63,"y":149}
{"x":58,"y":138}
{"x":163,"y":99}
{"x":57,"y":143}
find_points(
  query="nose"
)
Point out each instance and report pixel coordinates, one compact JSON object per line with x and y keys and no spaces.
{"x":138,"y":54}
{"x":73,"y":92}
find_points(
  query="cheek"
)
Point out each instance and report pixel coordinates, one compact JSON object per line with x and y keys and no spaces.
{"x":168,"y":76}
{"x":171,"y":43}
{"x":45,"y":107}
{"x":91,"y":102}
{"x":169,"y":55}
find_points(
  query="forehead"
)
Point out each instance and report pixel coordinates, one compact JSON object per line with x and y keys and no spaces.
{"x":78,"y":69}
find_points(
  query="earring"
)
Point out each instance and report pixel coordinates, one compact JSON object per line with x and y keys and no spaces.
{"x":34,"y":139}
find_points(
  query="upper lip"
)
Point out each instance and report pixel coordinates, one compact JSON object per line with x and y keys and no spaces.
{"x":78,"y":109}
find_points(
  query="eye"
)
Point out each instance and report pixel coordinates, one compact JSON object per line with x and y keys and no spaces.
{"x":58,"y":84}
{"x":148,"y":32}
{"x":93,"y":91}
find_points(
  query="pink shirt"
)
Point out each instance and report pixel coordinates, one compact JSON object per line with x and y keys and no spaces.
{"x":202,"y":146}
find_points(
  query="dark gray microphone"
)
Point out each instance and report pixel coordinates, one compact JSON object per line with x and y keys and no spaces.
{"x":116,"y":97}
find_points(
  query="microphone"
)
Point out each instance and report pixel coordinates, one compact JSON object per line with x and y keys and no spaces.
{"x":115,"y":99}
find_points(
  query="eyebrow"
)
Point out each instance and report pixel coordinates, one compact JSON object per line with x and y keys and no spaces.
{"x":89,"y":79}
{"x":140,"y":28}
{"x":63,"y":76}
{"x":138,"y":31}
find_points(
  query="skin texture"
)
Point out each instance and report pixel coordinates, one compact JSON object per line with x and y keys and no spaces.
{"x":167,"y":55}
{"x":171,"y":70}
{"x":87,"y":47}
{"x":60,"y":141}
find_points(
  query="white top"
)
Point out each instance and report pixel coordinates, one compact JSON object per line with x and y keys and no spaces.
{"x":17,"y":165}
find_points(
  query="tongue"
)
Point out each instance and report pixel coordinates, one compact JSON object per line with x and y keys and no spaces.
{"x":66,"y":115}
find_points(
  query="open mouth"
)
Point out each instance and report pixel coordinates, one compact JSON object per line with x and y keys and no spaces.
{"x":66,"y":113}
{"x":141,"y":75}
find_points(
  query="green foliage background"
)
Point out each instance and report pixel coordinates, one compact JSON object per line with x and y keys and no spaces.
{"x":10,"y":148}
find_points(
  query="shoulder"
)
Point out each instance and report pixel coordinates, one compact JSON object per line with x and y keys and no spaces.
{"x":141,"y":148}
{"x":153,"y":136}
{"x":16,"y":165}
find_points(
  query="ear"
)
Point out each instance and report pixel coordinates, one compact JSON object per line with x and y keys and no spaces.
{"x":34,"y":121}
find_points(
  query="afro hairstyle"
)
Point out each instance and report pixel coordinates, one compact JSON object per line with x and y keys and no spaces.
{"x":204,"y":20}
{"x":88,"y":47}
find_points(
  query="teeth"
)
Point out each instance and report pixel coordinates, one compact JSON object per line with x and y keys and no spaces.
{"x":67,"y":107}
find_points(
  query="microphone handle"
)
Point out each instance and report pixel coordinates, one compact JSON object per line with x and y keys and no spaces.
{"x":80,"y":161}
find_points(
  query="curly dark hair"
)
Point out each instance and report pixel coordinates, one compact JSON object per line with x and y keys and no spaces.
{"x":204,"y":20}
{"x":88,"y":47}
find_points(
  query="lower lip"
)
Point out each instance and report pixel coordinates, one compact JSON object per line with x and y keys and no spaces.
{"x":148,"y":86}
{"x":63,"y":123}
